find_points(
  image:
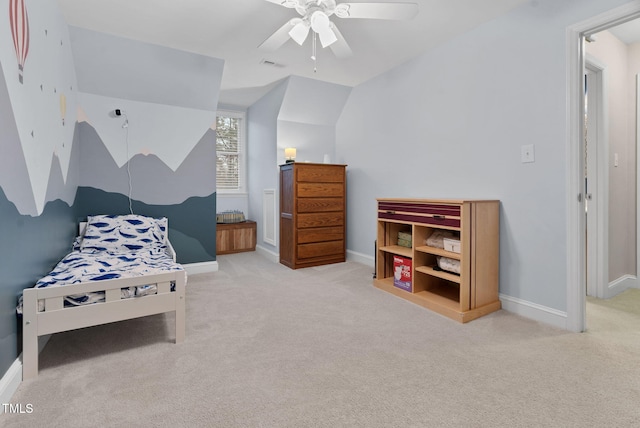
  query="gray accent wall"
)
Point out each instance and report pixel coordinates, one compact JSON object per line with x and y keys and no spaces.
{"x":30,"y":247}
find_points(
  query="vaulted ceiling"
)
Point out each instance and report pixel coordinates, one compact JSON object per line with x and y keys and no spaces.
{"x":233,"y":29}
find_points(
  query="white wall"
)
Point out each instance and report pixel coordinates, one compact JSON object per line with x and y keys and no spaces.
{"x":262,"y":157}
{"x":300,"y":113}
{"x":451,"y":124}
{"x":308,"y":116}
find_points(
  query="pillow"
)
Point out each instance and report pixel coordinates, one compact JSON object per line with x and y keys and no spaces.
{"x":124,"y":232}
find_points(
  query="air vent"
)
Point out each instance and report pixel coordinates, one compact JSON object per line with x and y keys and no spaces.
{"x":270,"y":63}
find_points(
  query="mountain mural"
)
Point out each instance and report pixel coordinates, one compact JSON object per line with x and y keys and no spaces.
{"x":57,"y":188}
{"x":14,"y":178}
{"x":192,"y":223}
{"x":152,"y":181}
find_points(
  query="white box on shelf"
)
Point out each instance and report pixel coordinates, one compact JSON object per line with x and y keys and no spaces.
{"x":452,"y":245}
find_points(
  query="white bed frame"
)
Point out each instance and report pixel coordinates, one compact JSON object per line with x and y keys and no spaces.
{"x":57,"y":318}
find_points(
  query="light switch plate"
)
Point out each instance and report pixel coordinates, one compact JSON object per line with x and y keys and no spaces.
{"x":528,"y":153}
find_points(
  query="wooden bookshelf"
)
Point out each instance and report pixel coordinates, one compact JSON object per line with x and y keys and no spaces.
{"x":463,"y":297}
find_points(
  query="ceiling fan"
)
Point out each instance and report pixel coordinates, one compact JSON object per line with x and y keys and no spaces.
{"x":315,"y":16}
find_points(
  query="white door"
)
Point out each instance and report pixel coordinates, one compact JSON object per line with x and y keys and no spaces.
{"x":595,"y":177}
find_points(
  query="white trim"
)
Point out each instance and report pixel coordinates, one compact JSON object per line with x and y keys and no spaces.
{"x":637,"y":141}
{"x":269,"y":216}
{"x":11,"y":381}
{"x":271,"y":255}
{"x":232,"y":195}
{"x":365,"y":259}
{"x":621,"y":284}
{"x":203,"y":267}
{"x":534,"y":311}
{"x":576,"y":278}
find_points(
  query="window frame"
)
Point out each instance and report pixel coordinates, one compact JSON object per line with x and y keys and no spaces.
{"x":242,"y":155}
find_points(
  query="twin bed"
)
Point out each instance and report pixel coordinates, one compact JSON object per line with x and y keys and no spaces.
{"x":121,"y":267}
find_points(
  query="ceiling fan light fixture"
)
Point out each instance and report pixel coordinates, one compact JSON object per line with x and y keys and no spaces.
{"x":327,"y":37}
{"x":299,"y":32}
{"x":319,"y":21}
{"x":321,"y":24}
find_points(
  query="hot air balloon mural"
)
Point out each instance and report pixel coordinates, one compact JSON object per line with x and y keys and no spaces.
{"x":20,"y":32}
{"x":63,"y":107}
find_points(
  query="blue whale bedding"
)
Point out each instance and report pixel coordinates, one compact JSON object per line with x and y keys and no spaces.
{"x":113,"y":247}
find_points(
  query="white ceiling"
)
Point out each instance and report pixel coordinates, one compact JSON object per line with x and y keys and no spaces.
{"x":233,"y":29}
{"x":628,"y":33}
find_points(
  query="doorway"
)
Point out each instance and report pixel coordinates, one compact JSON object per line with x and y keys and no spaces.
{"x":582,"y":275}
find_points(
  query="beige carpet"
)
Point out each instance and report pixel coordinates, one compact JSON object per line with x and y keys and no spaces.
{"x":267,"y":346}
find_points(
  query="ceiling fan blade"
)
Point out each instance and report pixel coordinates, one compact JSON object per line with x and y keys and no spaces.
{"x":286,"y":3}
{"x":340,"y":48}
{"x":280,"y":36}
{"x":396,"y":11}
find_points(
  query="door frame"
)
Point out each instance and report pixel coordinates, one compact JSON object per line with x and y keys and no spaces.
{"x":576,"y":223}
{"x":597,"y":200}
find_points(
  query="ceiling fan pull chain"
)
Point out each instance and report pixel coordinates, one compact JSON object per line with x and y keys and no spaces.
{"x":313,"y":54}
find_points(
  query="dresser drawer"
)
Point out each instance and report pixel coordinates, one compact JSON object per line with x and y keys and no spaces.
{"x":434,"y":214}
{"x":320,"y":219}
{"x":314,"y":205}
{"x":320,"y":249}
{"x":321,"y":174}
{"x":319,"y":190}
{"x":320,"y":234}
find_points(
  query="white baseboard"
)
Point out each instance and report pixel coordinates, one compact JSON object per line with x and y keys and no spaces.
{"x":351,"y":256}
{"x":203,"y":267}
{"x":11,"y":381}
{"x":271,"y":255}
{"x":534,"y":311}
{"x":621,"y":284}
{"x":360,"y":258}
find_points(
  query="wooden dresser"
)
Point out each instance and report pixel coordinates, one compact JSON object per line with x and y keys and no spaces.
{"x":312,"y":214}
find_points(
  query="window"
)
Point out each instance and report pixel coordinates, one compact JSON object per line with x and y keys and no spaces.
{"x":230,"y":152}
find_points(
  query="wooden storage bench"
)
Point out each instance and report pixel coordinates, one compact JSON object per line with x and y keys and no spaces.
{"x":235,"y":237}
